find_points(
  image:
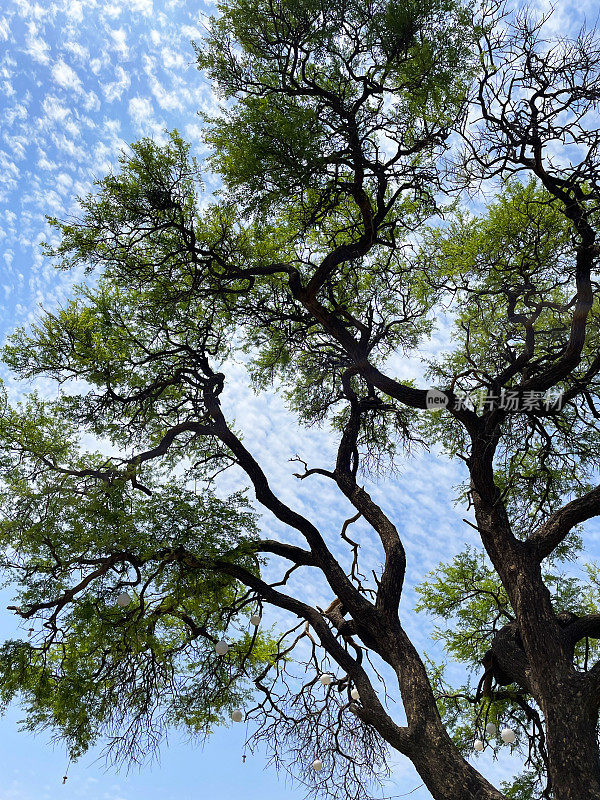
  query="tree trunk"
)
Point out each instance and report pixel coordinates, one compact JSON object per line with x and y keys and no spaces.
{"x":443,"y":769}
{"x":572,"y":744}
{"x":446,"y":774}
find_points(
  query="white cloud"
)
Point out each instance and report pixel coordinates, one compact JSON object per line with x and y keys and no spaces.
{"x":113,"y":126}
{"x":72,"y":129}
{"x":171,"y":59}
{"x":54,"y":110}
{"x":69,"y":147}
{"x":97,"y":64}
{"x":27,"y":9}
{"x":51,"y":201}
{"x":19,"y":111}
{"x":8,"y":166}
{"x":149,"y":63}
{"x":191,"y":32}
{"x":193,"y":133}
{"x":155,"y":37}
{"x":9,"y":175}
{"x":78,"y":50}
{"x":7,"y":88}
{"x":66,"y":77}
{"x":140,"y":110}
{"x":44,"y":163}
{"x":170,"y":101}
{"x":36,"y":47}
{"x":91,"y":102}
{"x":119,"y":37}
{"x":64,"y":182}
{"x":74,"y":10}
{"x":4,"y":29}
{"x":141,"y":6}
{"x":18,"y":145}
{"x":112,"y":10}
{"x":114,"y":91}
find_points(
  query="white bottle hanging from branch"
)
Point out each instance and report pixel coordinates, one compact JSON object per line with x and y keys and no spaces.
{"x":354,"y":694}
{"x":255,"y":620}
{"x":123,"y":600}
{"x":478,"y":745}
{"x":508,"y":736}
{"x":326,"y":679}
{"x":237,"y":715}
{"x":221,"y":648}
{"x":491,"y":729}
{"x":317,"y":765}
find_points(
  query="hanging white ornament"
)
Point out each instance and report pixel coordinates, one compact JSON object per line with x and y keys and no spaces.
{"x":317,"y":765}
{"x":491,"y":729}
{"x":325,"y":679}
{"x":237,"y":715}
{"x":221,"y":648}
{"x":478,"y":745}
{"x":354,"y":694}
{"x":123,"y":599}
{"x":509,"y":736}
{"x":255,"y":620}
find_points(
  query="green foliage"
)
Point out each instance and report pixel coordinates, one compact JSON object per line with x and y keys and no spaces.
{"x":524,"y":787}
{"x":301,"y":113}
{"x":71,"y":544}
{"x":509,"y":275}
{"x":498,"y":267}
{"x":467,"y":593}
{"x":156,"y":185}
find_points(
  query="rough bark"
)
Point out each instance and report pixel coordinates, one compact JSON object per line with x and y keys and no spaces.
{"x":572,"y":743}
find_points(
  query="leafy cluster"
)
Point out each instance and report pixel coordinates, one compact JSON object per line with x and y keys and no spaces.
{"x":71,"y":546}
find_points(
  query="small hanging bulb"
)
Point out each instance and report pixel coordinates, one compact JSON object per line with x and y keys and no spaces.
{"x":237,"y":715}
{"x":30,"y":632}
{"x":123,"y":600}
{"x":255,"y":620}
{"x":317,"y":765}
{"x":478,"y":745}
{"x":244,"y":758}
{"x":221,"y":648}
{"x":508,"y":735}
{"x":354,"y":694}
{"x":491,"y":729}
{"x":64,"y":779}
{"x":325,"y":679}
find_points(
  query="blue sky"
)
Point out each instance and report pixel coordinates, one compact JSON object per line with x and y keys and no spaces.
{"x":79,"y":79}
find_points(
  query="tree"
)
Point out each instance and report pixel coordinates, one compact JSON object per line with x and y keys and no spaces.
{"x":349,"y":139}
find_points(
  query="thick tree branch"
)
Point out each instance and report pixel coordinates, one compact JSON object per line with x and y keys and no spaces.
{"x":558,"y":526}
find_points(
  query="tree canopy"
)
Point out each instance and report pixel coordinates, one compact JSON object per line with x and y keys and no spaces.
{"x":351,"y":141}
